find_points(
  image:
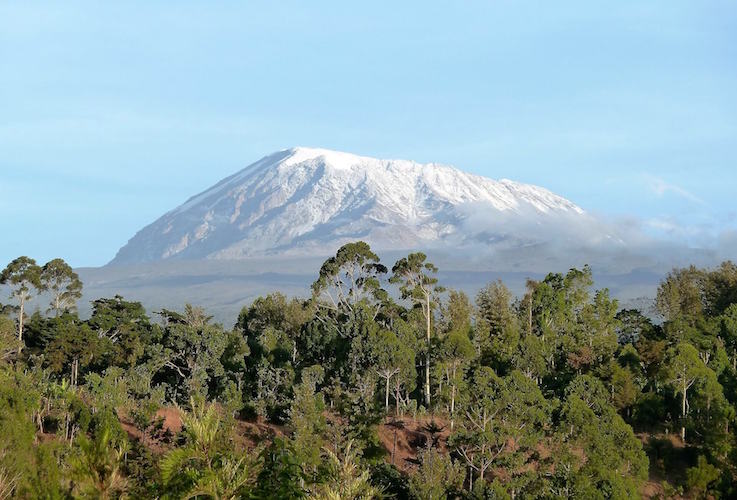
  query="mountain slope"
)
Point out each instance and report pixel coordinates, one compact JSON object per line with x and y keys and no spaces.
{"x":305,"y":201}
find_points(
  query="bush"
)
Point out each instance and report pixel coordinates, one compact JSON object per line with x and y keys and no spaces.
{"x":699,"y":478}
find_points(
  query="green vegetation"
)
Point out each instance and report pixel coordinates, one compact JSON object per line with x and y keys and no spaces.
{"x":381,"y":384}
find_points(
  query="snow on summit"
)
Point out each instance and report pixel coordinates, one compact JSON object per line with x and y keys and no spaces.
{"x":308,"y":201}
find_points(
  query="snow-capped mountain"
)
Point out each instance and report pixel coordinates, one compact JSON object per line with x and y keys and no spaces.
{"x":305,"y":201}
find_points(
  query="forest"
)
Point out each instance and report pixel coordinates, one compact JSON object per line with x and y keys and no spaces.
{"x":381,"y":384}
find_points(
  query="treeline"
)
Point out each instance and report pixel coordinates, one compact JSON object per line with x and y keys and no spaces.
{"x":555,"y":394}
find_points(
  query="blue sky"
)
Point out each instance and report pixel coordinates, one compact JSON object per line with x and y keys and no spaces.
{"x":112,"y":113}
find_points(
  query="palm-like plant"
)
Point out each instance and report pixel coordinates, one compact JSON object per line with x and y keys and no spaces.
{"x":348,"y":480}
{"x":98,"y":467}
{"x":202,"y":467}
{"x":225,"y":481}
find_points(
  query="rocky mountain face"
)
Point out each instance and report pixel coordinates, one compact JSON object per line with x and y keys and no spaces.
{"x":307,"y":202}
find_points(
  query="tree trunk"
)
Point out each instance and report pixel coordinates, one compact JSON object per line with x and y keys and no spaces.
{"x":453,"y":399}
{"x":75,"y":371}
{"x":452,"y":405}
{"x":386,"y":403}
{"x":396,"y":398}
{"x":427,"y":357}
{"x":20,"y":324}
{"x":683,"y":414}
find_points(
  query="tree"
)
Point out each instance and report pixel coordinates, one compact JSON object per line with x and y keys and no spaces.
{"x":457,"y":313}
{"x":497,"y":329}
{"x":682,"y":294}
{"x":346,"y":479}
{"x":123,"y":328}
{"x":594,"y":337}
{"x":729,"y":333}
{"x":386,"y":351}
{"x":205,"y":464}
{"x":75,"y":346}
{"x":701,"y":476}
{"x":683,"y":369}
{"x":624,"y":390}
{"x":281,"y":474}
{"x":352,"y":276}
{"x":99,"y":466}
{"x":64,"y":284}
{"x":612,"y":461}
{"x":632,"y":326}
{"x":191,"y":350}
{"x":503,"y":418}
{"x":24,"y":277}
{"x":437,"y":477}
{"x":307,"y":420}
{"x":414,"y":276}
{"x":275,"y":311}
{"x":405,"y":380}
{"x":456,"y":353}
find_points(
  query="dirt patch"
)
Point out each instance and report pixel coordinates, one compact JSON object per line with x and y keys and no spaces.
{"x":158,"y":436}
{"x":251,"y":433}
{"x":403,"y":438}
{"x":669,"y":459}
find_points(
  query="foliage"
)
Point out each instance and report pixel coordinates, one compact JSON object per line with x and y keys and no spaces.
{"x":350,"y":393}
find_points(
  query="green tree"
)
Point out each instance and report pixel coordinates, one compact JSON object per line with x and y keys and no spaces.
{"x":352,"y":276}
{"x":24,"y":278}
{"x":682,"y":294}
{"x":206,"y":465}
{"x":346,"y":479}
{"x":505,"y":416}
{"x":595,"y":335}
{"x":413,"y":274}
{"x":307,"y":420}
{"x":613,"y":463}
{"x":455,"y":355}
{"x":190,"y":352}
{"x":699,"y":478}
{"x":729,"y":333}
{"x":75,"y":346}
{"x":123,"y":328}
{"x":281,"y":474}
{"x":64,"y":284}
{"x":683,"y":369}
{"x":99,"y":465}
{"x":437,"y":477}
{"x":633,"y":326}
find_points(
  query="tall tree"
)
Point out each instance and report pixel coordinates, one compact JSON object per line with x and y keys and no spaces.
{"x":386,"y":354}
{"x":64,"y":284}
{"x":414,"y":276}
{"x":24,"y":277}
{"x":456,"y":353}
{"x":190,"y":351}
{"x":683,"y":369}
{"x":352,"y":276}
{"x":498,"y":329}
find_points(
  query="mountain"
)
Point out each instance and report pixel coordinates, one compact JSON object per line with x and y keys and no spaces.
{"x":307,"y":202}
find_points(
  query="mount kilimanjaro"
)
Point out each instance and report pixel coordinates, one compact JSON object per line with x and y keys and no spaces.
{"x":270,"y":226}
{"x":306,"y":202}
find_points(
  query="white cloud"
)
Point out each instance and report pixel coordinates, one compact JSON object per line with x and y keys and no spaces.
{"x":661,"y":187}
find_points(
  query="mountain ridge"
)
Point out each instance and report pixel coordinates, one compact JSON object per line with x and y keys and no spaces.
{"x":305,"y":201}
